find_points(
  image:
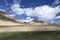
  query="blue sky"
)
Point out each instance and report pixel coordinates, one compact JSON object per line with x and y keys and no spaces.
{"x":25,"y":10}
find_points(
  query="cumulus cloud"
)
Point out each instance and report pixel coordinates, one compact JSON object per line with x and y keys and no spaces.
{"x":44,"y":13}
{"x":2,"y":10}
{"x":16,"y":9}
{"x":28,"y":11}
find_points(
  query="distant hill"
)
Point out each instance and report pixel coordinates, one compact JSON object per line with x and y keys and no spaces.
{"x":5,"y":19}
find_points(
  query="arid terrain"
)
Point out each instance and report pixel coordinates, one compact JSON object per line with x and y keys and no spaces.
{"x":9,"y":24}
{"x":11,"y":29}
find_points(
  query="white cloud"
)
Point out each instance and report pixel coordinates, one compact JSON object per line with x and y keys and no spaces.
{"x":57,"y":17}
{"x":2,"y":10}
{"x":44,"y":13}
{"x":56,"y":2}
{"x":28,"y":11}
{"x":16,"y":9}
{"x":28,"y":19}
{"x":12,"y":15}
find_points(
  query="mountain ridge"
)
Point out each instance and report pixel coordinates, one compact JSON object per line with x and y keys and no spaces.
{"x":5,"y":19}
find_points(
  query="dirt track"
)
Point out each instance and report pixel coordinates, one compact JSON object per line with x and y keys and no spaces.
{"x":29,"y":28}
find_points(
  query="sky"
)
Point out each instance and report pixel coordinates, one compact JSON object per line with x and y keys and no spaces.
{"x":28,"y":10}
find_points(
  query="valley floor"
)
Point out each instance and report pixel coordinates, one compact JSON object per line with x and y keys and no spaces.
{"x":24,"y":28}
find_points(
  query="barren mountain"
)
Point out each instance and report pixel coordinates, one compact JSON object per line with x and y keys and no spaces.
{"x":5,"y":19}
